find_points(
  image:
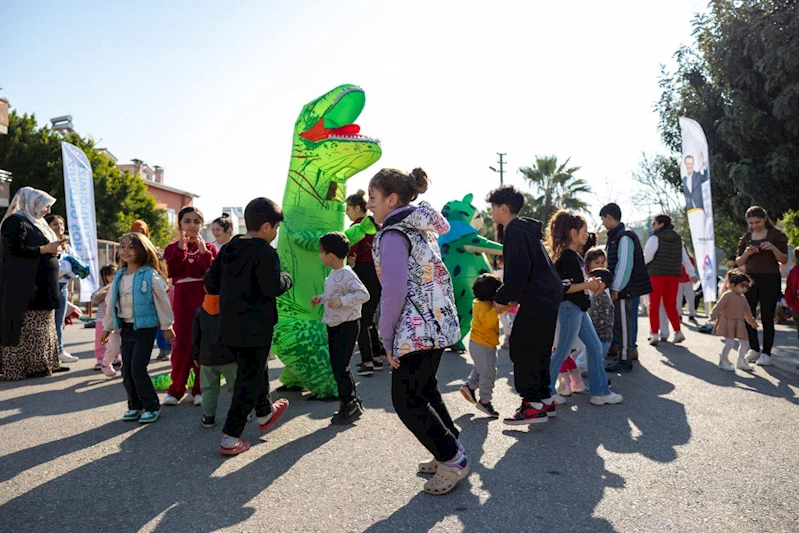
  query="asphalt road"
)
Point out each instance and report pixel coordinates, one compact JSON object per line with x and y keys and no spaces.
{"x":692,"y":448}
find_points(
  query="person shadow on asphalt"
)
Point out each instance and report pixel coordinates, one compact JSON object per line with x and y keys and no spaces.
{"x":553,"y":477}
{"x":144,"y":482}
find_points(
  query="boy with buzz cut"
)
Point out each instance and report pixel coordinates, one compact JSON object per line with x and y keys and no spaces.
{"x":531,"y":281}
{"x":344,"y":295}
{"x":247,"y":277}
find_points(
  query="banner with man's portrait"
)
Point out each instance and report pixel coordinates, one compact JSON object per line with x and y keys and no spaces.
{"x":695,"y":169}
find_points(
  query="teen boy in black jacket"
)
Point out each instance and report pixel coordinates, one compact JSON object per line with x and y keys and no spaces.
{"x":248,"y":279}
{"x":532,"y":281}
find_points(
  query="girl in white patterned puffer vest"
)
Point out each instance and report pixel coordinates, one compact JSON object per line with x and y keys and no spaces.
{"x":418,"y":318}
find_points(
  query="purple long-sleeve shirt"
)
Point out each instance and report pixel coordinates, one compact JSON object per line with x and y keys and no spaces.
{"x":394,"y":252}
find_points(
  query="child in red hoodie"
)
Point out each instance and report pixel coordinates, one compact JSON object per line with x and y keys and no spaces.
{"x":792,"y":290}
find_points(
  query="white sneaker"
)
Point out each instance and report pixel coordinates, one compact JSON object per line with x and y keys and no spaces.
{"x":65,"y":357}
{"x":752,"y":356}
{"x":608,"y":399}
{"x":170,"y":400}
{"x":725,"y":364}
{"x":198,"y":400}
{"x":679,"y":336}
{"x":765,"y":360}
{"x":741,"y":364}
{"x":654,"y":339}
{"x":559,"y":400}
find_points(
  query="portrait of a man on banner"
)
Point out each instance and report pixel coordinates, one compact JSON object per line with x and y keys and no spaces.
{"x":693,"y":180}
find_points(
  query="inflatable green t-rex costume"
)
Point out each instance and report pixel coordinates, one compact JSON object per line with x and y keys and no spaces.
{"x":462,"y":250}
{"x":326,"y":151}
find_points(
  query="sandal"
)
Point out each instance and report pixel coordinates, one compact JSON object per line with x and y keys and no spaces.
{"x":241,"y":446}
{"x":278,"y":408}
{"x":428,"y":467}
{"x":445,"y":480}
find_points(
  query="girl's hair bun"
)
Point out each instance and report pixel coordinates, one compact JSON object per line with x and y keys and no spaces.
{"x":418,"y":181}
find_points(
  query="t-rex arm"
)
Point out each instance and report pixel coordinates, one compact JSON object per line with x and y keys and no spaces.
{"x":481,"y":245}
{"x":309,"y":240}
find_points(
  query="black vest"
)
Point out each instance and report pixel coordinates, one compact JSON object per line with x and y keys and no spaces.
{"x":639,"y":283}
{"x":668,"y":258}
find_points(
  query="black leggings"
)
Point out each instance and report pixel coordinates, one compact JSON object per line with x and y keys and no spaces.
{"x":765,"y":290}
{"x":418,"y":402}
{"x":368,"y":339}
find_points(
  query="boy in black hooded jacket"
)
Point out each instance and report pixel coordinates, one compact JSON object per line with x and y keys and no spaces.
{"x":531,"y":281}
{"x":247,"y":277}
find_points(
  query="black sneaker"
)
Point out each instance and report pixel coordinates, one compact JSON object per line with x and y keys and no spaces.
{"x":163,"y":355}
{"x":208,"y":421}
{"x":365,"y":370}
{"x":692,"y":320}
{"x":527,"y":414}
{"x":378,"y":365}
{"x":348,"y":413}
{"x":620,"y":367}
{"x":468,"y":393}
{"x":488,"y":409}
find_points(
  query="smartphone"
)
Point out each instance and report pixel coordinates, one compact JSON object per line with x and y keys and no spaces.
{"x":756,"y":242}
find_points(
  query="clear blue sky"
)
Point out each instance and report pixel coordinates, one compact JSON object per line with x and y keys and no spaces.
{"x":210,"y":90}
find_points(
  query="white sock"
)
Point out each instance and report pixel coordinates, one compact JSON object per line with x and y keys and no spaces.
{"x":264,"y":419}
{"x":229,"y":442}
{"x":459,"y":461}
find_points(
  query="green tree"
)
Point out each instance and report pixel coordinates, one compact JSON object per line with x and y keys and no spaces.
{"x":33,"y":155}
{"x":740,"y":81}
{"x":556,"y":186}
{"x":791,"y":221}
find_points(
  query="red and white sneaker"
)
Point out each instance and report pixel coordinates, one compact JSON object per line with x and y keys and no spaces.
{"x":527,"y":414}
{"x":550,"y":409}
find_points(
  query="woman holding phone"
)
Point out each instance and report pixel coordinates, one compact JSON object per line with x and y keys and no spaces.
{"x":29,"y":292}
{"x":760,"y":251}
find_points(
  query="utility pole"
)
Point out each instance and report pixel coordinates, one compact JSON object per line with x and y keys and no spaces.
{"x":501,"y":168}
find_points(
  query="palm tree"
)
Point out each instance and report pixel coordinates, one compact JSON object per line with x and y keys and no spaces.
{"x":557,"y":186}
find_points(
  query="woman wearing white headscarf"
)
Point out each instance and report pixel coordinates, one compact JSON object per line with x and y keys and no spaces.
{"x":29,"y":291}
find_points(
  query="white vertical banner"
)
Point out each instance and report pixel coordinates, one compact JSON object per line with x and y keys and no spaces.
{"x":695,"y":169}
{"x":81,"y":217}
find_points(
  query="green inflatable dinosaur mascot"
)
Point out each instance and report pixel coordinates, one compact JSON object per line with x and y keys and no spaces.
{"x":327,"y":150}
{"x":463,"y":252}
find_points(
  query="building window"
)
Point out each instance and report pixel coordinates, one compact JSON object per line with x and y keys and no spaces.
{"x":170,"y":214}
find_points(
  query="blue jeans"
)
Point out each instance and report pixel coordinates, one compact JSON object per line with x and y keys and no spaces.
{"x":605,"y":347}
{"x":574,"y":323}
{"x":161,"y":341}
{"x":60,"y":314}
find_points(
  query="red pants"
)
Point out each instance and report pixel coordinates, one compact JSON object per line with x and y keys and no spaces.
{"x":664,"y":288}
{"x":568,"y":365}
{"x":188,"y":298}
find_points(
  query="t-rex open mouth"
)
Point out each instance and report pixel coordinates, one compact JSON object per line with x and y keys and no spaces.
{"x":337,"y":122}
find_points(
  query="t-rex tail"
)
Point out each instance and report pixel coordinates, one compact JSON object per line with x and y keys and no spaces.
{"x":302,"y":346}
